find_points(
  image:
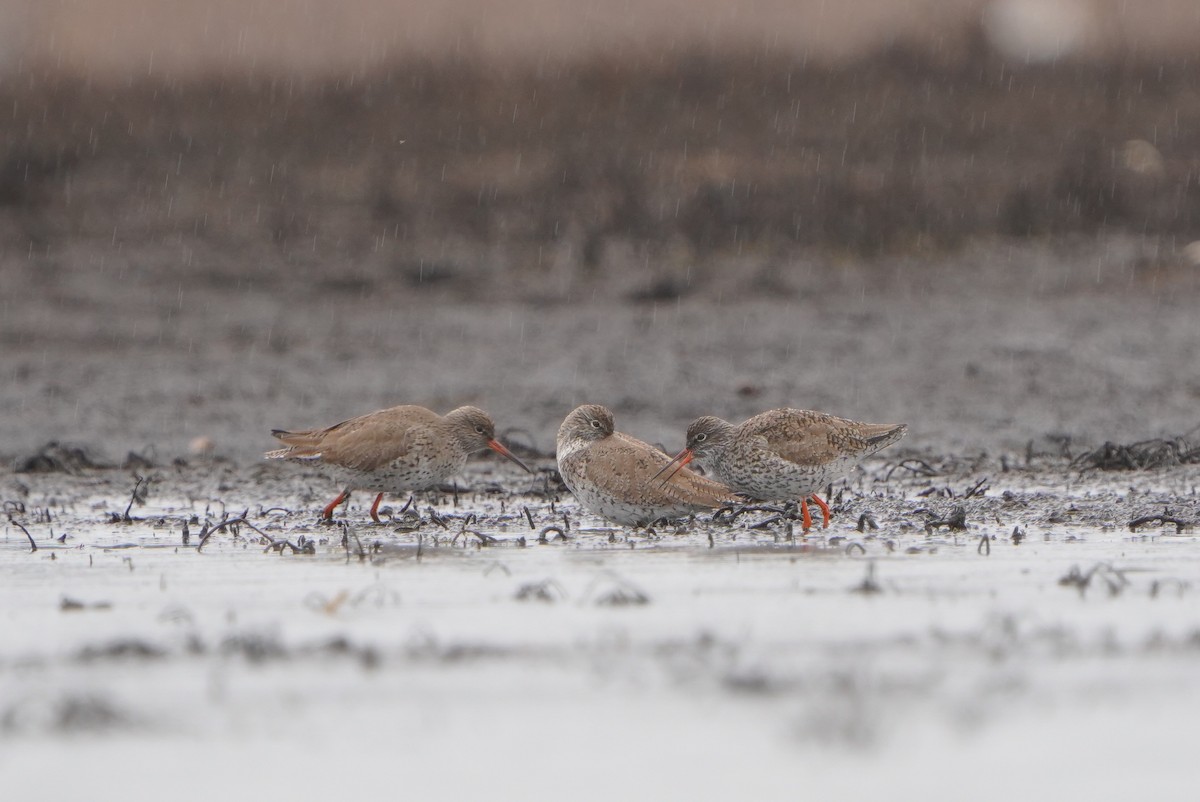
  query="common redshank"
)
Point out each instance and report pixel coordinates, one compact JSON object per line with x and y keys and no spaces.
{"x":783,"y":454}
{"x":609,"y":472}
{"x":398,"y":450}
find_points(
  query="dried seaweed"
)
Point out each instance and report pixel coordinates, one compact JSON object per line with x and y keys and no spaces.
{"x":1140,"y":456}
{"x":56,"y":457}
{"x":1167,"y":517}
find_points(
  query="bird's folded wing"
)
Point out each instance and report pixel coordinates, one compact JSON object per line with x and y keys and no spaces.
{"x":369,"y":447}
{"x":362,"y":443}
{"x":625,"y":467}
{"x":811,"y":438}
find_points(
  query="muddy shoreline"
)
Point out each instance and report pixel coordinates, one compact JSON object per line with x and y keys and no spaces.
{"x":1039,"y":623}
{"x":981,"y":352}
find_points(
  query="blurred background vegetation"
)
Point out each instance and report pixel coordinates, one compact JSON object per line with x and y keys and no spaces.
{"x":529,"y":152}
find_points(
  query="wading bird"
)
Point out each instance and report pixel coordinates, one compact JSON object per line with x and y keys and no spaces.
{"x":609,"y":472}
{"x":782,"y":454}
{"x":401,"y":450}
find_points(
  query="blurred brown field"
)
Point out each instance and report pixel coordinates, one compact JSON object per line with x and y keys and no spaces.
{"x":122,"y":37}
{"x":515,"y":164}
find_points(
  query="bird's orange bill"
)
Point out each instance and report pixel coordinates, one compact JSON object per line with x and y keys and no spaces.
{"x":677,"y":462}
{"x":496,"y":446}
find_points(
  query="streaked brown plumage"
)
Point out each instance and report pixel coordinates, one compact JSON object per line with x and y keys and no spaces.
{"x":609,"y":472}
{"x":785,"y":454}
{"x":398,"y":450}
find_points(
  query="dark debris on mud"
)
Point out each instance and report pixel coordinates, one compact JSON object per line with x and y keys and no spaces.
{"x":911,"y":504}
{"x":1140,"y":456}
{"x":56,"y":457}
{"x":72,"y":712}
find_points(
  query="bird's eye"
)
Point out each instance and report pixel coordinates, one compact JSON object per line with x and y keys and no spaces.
{"x":700,"y":438}
{"x":595,"y":424}
{"x":478,"y":430}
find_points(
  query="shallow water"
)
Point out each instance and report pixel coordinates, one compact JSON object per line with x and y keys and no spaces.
{"x":652,"y":664}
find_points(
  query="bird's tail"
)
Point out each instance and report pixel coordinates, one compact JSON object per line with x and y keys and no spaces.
{"x":300,"y":445}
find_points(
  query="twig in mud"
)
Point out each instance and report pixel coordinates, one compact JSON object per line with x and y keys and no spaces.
{"x":542,"y":488}
{"x":14,"y":508}
{"x":917,"y":466}
{"x":850,"y":547}
{"x":437,"y":519}
{"x":138,"y":495}
{"x":956,"y":521}
{"x":302,"y":546}
{"x":1165,"y":518}
{"x":985,"y":546}
{"x":32,"y":544}
{"x":484,"y":540}
{"x":1113,"y":578}
{"x":978,"y":489}
{"x":621,"y":593}
{"x":1076,"y":578}
{"x":69,"y":605}
{"x":868,"y":586}
{"x":559,"y":534}
{"x":229,"y":523}
{"x":867,"y":521}
{"x":545,"y":591}
{"x":529,"y":517}
{"x":622,"y":597}
{"x":348,"y":533}
{"x":1160,"y":585}
{"x":730,"y":513}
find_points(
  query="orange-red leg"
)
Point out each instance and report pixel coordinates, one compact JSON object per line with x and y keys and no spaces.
{"x":375,"y":509}
{"x":804,"y":512}
{"x":328,"y":513}
{"x":820,"y":502}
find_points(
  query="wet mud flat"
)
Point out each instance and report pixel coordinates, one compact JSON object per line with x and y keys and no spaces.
{"x":1013,"y":625}
{"x":1018,"y":294}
